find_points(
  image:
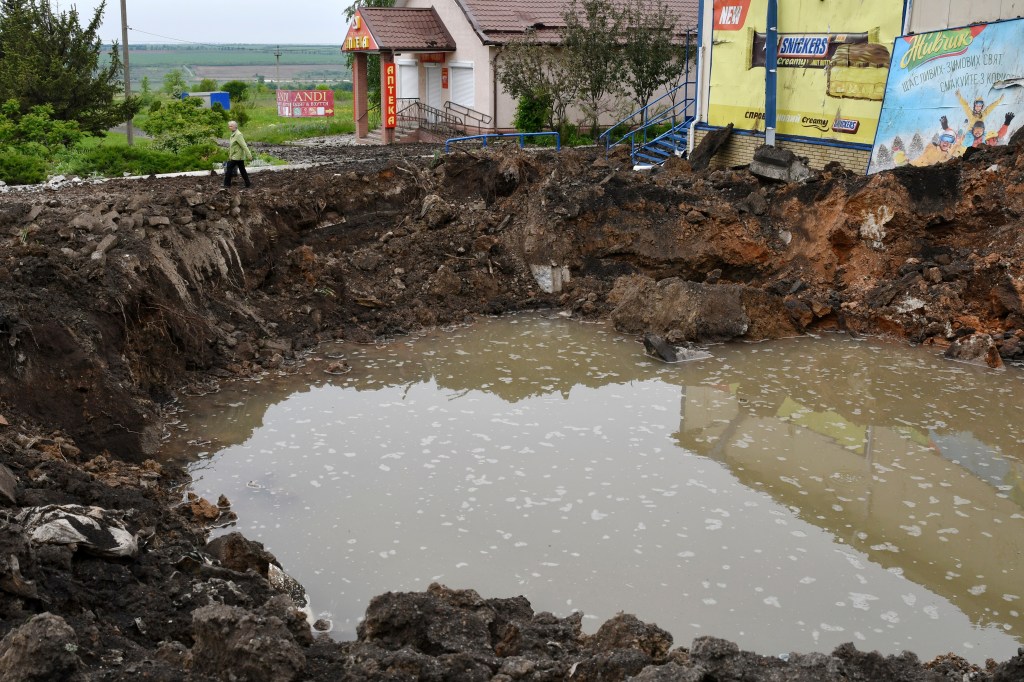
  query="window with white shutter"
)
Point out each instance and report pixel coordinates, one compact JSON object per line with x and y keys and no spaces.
{"x":462,"y":87}
{"x":408,"y":81}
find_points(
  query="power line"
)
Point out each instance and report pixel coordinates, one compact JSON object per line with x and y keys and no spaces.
{"x":222,"y":46}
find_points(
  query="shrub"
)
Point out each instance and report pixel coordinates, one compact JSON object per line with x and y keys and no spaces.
{"x":532,"y":113}
{"x":36,"y":132}
{"x":114,"y":161}
{"x":571,"y":136}
{"x":239,"y":114}
{"x":28,"y":141}
{"x":183,"y":123}
{"x":17,"y":168}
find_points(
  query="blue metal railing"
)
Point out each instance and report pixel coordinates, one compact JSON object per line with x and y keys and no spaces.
{"x":663,"y":117}
{"x":641,"y":124}
{"x":521,"y":136}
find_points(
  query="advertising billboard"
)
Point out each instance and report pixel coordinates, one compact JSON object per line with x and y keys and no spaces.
{"x":305,"y":103}
{"x":949,"y":91}
{"x":833,"y":58}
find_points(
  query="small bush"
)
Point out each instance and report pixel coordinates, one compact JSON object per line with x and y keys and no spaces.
{"x":183,"y":123}
{"x":155,"y":106}
{"x":17,"y":168}
{"x":532,"y":113}
{"x":571,"y":136}
{"x":114,"y":161}
{"x":240,"y":115}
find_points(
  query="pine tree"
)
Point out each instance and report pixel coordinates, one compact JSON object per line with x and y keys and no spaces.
{"x":916,"y":147}
{"x":48,"y":57}
{"x":883,"y":159}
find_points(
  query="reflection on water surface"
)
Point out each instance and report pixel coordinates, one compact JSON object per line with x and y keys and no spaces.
{"x":790,"y":495}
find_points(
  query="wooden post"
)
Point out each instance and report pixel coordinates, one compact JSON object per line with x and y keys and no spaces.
{"x":360,"y":96}
{"x":127,"y":73}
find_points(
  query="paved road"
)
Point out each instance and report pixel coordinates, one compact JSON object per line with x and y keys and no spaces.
{"x":123,"y":129}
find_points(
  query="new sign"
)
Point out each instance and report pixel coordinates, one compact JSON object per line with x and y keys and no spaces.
{"x":305,"y":103}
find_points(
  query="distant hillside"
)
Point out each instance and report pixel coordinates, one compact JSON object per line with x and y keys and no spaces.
{"x":289,"y":63}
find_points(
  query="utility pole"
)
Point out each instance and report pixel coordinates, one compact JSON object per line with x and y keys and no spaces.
{"x":127,"y":73}
{"x":277,"y":67}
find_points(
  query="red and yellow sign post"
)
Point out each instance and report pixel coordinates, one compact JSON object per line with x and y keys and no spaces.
{"x":390,"y":95}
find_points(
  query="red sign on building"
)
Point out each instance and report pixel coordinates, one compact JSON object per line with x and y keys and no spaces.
{"x":730,"y":15}
{"x":305,"y":103}
{"x":444,"y":78}
{"x":390,"y":83}
{"x":359,"y":38}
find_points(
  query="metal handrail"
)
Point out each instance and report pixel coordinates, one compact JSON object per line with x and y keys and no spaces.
{"x":420,"y":113}
{"x":640,"y":122}
{"x":521,"y":136}
{"x":469,"y":114}
{"x":679,"y":109}
{"x":372,"y":116}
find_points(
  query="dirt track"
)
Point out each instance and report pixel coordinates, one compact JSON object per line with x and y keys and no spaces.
{"x":117,"y":296}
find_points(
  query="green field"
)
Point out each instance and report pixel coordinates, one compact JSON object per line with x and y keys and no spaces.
{"x":288,"y":64}
{"x":233,"y":55}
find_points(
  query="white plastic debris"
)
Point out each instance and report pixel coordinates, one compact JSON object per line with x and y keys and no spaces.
{"x":96,"y":530}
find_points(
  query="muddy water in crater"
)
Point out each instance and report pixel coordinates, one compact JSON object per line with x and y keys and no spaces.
{"x":790,"y":495}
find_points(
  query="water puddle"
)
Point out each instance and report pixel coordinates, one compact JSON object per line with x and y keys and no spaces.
{"x":790,"y":496}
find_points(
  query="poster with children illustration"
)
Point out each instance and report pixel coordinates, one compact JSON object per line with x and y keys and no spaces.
{"x":949,"y":91}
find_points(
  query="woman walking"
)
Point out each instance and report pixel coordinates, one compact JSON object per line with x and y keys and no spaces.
{"x":238,"y":154}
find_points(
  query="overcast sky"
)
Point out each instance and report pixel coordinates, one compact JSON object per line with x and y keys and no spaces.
{"x":231,"y":21}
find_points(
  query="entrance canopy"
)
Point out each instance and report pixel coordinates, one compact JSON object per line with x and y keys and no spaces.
{"x":397,"y":29}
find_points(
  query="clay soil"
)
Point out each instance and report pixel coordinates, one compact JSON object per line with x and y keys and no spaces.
{"x":116,"y":298}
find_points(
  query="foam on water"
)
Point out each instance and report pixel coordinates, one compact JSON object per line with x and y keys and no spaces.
{"x":790,"y":495}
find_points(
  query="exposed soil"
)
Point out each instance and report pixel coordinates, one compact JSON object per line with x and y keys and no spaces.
{"x":116,"y":297}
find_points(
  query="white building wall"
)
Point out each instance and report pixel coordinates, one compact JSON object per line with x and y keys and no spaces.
{"x":489,"y":96}
{"x":934,"y":15}
{"x":469,"y":50}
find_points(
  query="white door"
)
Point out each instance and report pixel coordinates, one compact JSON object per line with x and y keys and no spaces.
{"x":433,"y":88}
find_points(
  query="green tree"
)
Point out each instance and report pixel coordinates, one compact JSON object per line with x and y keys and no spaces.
{"x":48,"y":57}
{"x":651,"y":60}
{"x":236,"y":90}
{"x":592,"y":39}
{"x":184,"y":123}
{"x":174,"y":83}
{"x":535,"y":72}
{"x":206,"y":85}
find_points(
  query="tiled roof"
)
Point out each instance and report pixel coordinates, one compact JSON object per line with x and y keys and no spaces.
{"x":407,"y":29}
{"x":502,"y":20}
